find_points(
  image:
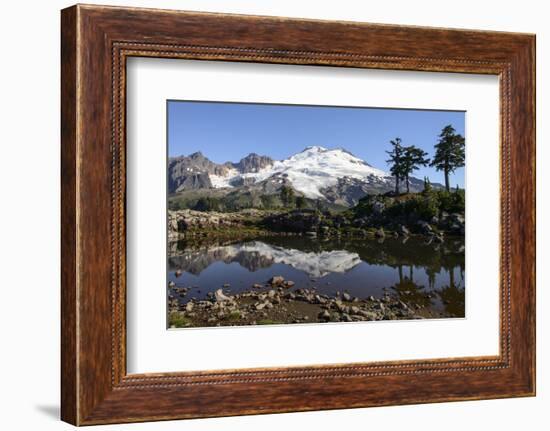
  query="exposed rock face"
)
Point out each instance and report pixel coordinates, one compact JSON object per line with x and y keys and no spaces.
{"x":242,"y":181}
{"x":348,"y":191}
{"x":332,"y":175}
{"x":192,"y":181}
{"x":192,"y":172}
{"x":253,"y":163}
{"x":295,"y":221}
{"x":455,"y":223}
{"x":182,"y":221}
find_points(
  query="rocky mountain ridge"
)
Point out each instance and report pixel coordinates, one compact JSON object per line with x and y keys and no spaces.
{"x":316,"y":173}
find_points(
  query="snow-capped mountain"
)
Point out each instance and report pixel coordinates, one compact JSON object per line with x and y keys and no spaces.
{"x":256,"y":255}
{"x":317,"y":173}
{"x":309,"y":172}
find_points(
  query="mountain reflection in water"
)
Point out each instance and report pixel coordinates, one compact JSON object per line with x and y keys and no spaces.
{"x":431,"y":275}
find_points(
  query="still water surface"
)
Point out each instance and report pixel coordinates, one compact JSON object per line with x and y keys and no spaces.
{"x":362,"y":267}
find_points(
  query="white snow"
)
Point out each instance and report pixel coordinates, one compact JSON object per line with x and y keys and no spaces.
{"x":219,"y":181}
{"x":311,"y":170}
{"x":314,"y":264}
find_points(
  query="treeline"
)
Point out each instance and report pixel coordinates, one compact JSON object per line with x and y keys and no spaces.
{"x":449,"y":155}
{"x":286,"y":198}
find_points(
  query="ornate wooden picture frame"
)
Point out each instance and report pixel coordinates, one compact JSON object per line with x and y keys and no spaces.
{"x":96,"y":41}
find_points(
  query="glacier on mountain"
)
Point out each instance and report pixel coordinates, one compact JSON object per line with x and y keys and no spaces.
{"x":309,"y":172}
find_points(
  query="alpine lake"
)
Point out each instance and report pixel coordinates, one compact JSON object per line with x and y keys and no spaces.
{"x":299,"y":279}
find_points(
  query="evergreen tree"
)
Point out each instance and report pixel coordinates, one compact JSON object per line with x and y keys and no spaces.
{"x":411,"y":159}
{"x":287,"y":195}
{"x":300,"y":202}
{"x":427,"y":186}
{"x":395,"y":160}
{"x":207,"y":204}
{"x":449,"y":154}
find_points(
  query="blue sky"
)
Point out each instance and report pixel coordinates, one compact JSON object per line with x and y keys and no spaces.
{"x":229,"y":131}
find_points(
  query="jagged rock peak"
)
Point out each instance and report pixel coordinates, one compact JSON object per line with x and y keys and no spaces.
{"x":253,"y":163}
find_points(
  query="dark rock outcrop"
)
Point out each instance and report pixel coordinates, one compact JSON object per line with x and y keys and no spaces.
{"x":295,"y":221}
{"x":192,"y":172}
{"x":253,"y":163}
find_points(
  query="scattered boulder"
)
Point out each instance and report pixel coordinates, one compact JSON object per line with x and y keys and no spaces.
{"x":324,"y":315}
{"x":369,"y":315}
{"x":320,"y":300}
{"x":259,"y":306}
{"x":425,"y":227}
{"x":402,"y":305}
{"x":437,"y":237}
{"x":242,"y":307}
{"x":345,"y":317}
{"x":220,"y":296}
{"x":402,"y":230}
{"x":276,"y":280}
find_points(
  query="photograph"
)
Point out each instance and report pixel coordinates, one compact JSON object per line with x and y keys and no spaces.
{"x":284,"y":214}
{"x":305,"y":214}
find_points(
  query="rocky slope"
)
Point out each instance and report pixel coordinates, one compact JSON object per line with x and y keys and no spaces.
{"x":316,"y":173}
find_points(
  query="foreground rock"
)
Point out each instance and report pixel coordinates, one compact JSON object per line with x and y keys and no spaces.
{"x":220,"y":297}
{"x":277,"y":280}
{"x":280,"y":305}
{"x":183,"y":223}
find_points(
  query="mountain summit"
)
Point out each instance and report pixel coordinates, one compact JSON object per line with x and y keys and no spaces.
{"x":317,"y":173}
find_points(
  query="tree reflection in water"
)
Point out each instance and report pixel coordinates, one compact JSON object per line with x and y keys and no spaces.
{"x":408,"y":291}
{"x":423,"y":274}
{"x":453,"y":295}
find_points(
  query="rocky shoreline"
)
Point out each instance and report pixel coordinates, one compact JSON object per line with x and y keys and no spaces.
{"x":430,"y":219}
{"x":276,"y":302}
{"x":185,"y":224}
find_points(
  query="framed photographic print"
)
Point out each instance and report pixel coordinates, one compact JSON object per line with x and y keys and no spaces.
{"x":267,"y":215}
{"x":314,"y":234}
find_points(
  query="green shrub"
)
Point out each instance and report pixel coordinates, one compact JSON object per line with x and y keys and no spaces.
{"x":425,"y":205}
{"x":177,"y":319}
{"x":452,"y":202}
{"x":209,"y":204}
{"x":422,"y":207}
{"x":270,"y":201}
{"x":269,"y":322}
